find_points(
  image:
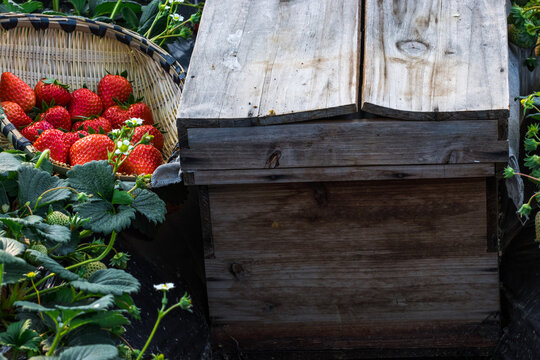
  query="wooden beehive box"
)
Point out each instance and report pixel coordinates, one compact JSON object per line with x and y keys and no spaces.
{"x":348,"y":235}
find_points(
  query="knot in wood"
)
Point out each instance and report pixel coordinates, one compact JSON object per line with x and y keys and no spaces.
{"x":237,"y":270}
{"x":414,"y":48}
{"x":273,"y":160}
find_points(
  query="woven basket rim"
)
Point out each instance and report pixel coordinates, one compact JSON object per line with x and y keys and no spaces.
{"x":9,"y":21}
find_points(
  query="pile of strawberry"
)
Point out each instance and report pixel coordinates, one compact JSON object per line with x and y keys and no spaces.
{"x":82,"y":126}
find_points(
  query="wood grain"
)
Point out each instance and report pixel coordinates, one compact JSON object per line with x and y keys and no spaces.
{"x":274,"y":61}
{"x":364,"y":264}
{"x":344,"y":143}
{"x":279,"y":175}
{"x":436,"y":59}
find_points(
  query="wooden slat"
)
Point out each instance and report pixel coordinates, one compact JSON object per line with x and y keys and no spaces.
{"x":344,"y":143}
{"x":274,"y":61}
{"x":366,"y":263}
{"x":278,"y":175}
{"x":436,"y":59}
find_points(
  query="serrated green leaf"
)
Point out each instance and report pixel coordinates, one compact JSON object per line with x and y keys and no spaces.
{"x":4,"y":200}
{"x":121,"y":198}
{"x":103,"y":218}
{"x":105,"y":319}
{"x":53,"y":266}
{"x":19,"y":335}
{"x":109,"y":281}
{"x":89,"y":352}
{"x":12,"y":225}
{"x":150,"y":205}
{"x":35,"y":182}
{"x":100,"y":304}
{"x":9,"y":163}
{"x":31,"y":306}
{"x":53,"y":234}
{"x":88,"y":335}
{"x":78,"y":6}
{"x":95,"y":177}
{"x":11,"y":246}
{"x":14,"y":268}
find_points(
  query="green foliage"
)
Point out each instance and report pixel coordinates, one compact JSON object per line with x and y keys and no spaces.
{"x":20,"y":336}
{"x":524,"y":21}
{"x":83,"y":318}
{"x":158,"y":20}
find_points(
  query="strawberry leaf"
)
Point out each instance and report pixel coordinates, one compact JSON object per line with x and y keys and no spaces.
{"x":121,"y":198}
{"x":53,"y":266}
{"x":95,"y":177}
{"x":90,"y":352}
{"x":103,"y":217}
{"x":19,"y":335}
{"x":35,"y":184}
{"x":150,"y":205}
{"x":109,"y":281}
{"x":11,"y":246}
{"x":14,"y":268}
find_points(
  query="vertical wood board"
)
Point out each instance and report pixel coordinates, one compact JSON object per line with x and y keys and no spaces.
{"x":436,"y":59}
{"x":274,"y":61}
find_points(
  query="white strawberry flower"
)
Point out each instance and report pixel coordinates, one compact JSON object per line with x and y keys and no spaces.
{"x":126,"y":142}
{"x":119,"y":144}
{"x":117,"y":152}
{"x":134,"y":122}
{"x":176,"y":17}
{"x":164,"y":287}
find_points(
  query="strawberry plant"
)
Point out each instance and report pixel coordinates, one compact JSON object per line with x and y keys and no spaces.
{"x":63,"y":291}
{"x":524,"y":28}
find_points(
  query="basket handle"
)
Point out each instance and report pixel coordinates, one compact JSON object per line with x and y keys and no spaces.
{"x":13,"y":135}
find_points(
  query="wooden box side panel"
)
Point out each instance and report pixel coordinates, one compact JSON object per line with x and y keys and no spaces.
{"x":368,"y":264}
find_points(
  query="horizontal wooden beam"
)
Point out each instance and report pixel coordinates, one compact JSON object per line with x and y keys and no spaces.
{"x":344,"y":143}
{"x":352,"y":173}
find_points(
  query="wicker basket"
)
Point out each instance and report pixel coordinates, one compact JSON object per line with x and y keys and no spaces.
{"x":79,"y":51}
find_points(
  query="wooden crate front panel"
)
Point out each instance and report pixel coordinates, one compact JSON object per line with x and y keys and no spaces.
{"x":273,"y":62}
{"x":352,"y":259}
{"x":436,"y":59}
{"x":344,"y":143}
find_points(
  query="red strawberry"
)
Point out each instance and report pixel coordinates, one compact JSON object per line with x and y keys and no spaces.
{"x":113,"y":87}
{"x":144,"y":159}
{"x":117,"y":115}
{"x":91,"y":147}
{"x":141,"y":111}
{"x":148,"y":129}
{"x":84,"y":103}
{"x":71,"y":137}
{"x":95,"y":124}
{"x":48,"y":90}
{"x":53,"y":140}
{"x":15,"y":114}
{"x":31,"y":132}
{"x":14,"y":89}
{"x":58,"y":117}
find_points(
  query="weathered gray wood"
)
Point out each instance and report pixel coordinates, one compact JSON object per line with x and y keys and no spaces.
{"x":344,"y":143}
{"x":352,"y":264}
{"x":436,"y":59}
{"x":278,"y":175}
{"x":274,"y":61}
{"x":206,"y":222}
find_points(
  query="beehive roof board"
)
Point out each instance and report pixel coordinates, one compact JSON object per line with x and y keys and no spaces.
{"x":269,"y":62}
{"x":436,"y":59}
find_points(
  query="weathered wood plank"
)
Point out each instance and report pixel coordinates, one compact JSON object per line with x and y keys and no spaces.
{"x":274,"y":61}
{"x":278,"y":175}
{"x":436,"y":59}
{"x":344,"y":143}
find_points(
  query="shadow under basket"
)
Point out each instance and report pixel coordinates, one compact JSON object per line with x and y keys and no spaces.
{"x":80,"y":52}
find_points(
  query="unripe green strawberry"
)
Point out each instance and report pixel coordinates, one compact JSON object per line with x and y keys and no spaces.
{"x":90,"y":269}
{"x":37,"y":247}
{"x":57,"y":218}
{"x":537,"y":226}
{"x":520,"y":37}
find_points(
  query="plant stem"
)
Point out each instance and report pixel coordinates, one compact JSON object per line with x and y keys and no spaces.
{"x":56,"y":5}
{"x":115,"y":9}
{"x":55,"y":342}
{"x":1,"y":274}
{"x":100,"y":257}
{"x":160,"y":316}
{"x":15,"y":353}
{"x":44,"y":154}
{"x":527,"y":176}
{"x":48,"y":290}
